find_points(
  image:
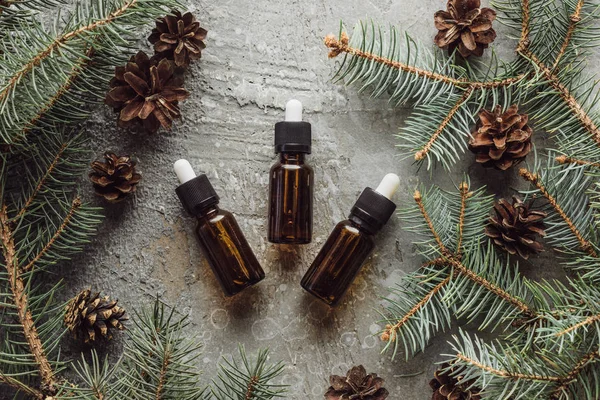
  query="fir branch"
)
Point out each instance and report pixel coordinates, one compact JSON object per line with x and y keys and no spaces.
{"x":576,"y":371}
{"x":21,"y":387}
{"x":421,"y":154}
{"x":464,"y":196}
{"x":585,"y":245}
{"x":75,"y":205}
{"x":570,"y":160}
{"x":419,"y":200}
{"x":575,"y":18}
{"x":588,"y":321}
{"x":506,"y":374}
{"x":19,"y":297}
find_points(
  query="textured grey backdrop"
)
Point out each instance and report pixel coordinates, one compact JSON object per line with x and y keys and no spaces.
{"x":260,"y":54}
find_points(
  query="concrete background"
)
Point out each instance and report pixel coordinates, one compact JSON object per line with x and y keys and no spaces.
{"x":260,"y":54}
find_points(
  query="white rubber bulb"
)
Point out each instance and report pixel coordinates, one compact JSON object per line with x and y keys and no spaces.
{"x":293,"y":111}
{"x":184,"y":171}
{"x":388,"y":186}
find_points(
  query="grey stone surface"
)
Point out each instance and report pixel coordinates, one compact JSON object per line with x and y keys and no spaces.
{"x":260,"y":54}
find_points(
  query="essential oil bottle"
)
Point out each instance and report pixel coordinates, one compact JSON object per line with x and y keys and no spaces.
{"x":291,"y":180}
{"x":221,"y":239}
{"x":350,"y":243}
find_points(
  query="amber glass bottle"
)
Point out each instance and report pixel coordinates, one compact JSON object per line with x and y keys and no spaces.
{"x":291,"y":181}
{"x":220,"y":236}
{"x":350,"y":243}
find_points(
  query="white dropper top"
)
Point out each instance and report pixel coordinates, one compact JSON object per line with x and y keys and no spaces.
{"x":293,"y":111}
{"x":388,"y":186}
{"x":184,"y":171}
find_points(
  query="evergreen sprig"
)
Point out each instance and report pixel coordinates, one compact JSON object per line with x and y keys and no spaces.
{"x":548,"y":332}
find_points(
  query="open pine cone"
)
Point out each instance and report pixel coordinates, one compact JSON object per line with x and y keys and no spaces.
{"x":447,"y":387}
{"x":145,"y":92}
{"x":515,"y":227}
{"x":465,"y":26}
{"x":179,"y":38}
{"x":356,"y":385}
{"x":501,"y":140}
{"x":89,"y":317}
{"x":115,"y":178}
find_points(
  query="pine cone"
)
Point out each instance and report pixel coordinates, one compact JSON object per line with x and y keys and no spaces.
{"x":145,"y":92}
{"x":501,"y":140}
{"x":178,"y":37}
{"x":447,"y":387}
{"x":115,"y":178}
{"x":90,"y":317}
{"x":465,"y":25}
{"x":356,"y":385}
{"x":516,"y":227}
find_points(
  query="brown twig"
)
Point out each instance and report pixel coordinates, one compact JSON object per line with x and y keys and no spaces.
{"x":19,"y":297}
{"x":251,"y":388}
{"x":535,"y":180}
{"x":571,"y":160}
{"x":588,"y":321}
{"x":62,"y":90}
{"x":572,"y":375}
{"x":390,"y":330}
{"x":575,"y":19}
{"x":464,"y":195}
{"x":525,"y":27}
{"x":507,"y":374}
{"x":56,"y":44}
{"x":419,"y":200}
{"x":421,"y":154}
{"x":75,"y":205}
{"x":20,"y":386}
{"x":163,"y":375}
{"x":498,"y":291}
{"x":42,"y":180}
{"x":337,"y":47}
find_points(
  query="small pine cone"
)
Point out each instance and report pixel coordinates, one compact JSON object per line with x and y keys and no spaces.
{"x":501,"y":140}
{"x":447,"y":385}
{"x":356,"y":385}
{"x":89,"y":317}
{"x":115,"y":178}
{"x":179,"y":38}
{"x":466,"y":26}
{"x":515,"y":227}
{"x":147,"y":92}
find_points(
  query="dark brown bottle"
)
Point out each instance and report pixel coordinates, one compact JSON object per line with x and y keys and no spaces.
{"x":291,"y":181}
{"x":223,"y":243}
{"x":350,"y":243}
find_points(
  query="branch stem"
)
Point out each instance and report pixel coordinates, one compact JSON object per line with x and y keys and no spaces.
{"x":575,"y":19}
{"x":19,"y":297}
{"x":464,"y":195}
{"x":507,"y":374}
{"x":419,"y":200}
{"x":585,"y":245}
{"x":571,"y":160}
{"x":75,"y":205}
{"x":251,"y":388}
{"x":588,"y":321}
{"x":20,"y":386}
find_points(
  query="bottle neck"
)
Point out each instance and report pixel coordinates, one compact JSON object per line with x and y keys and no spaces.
{"x":208,"y":210}
{"x":362,"y":225}
{"x":292,"y":158}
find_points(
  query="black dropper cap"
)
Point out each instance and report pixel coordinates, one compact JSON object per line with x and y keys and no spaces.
{"x":293,"y":135}
{"x":197,"y":194}
{"x":373,"y":210}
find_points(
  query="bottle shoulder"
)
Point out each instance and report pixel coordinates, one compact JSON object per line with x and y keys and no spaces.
{"x":214,"y":215}
{"x":352,"y":228}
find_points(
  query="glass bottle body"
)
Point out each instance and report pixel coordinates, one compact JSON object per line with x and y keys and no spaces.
{"x":227,"y":251}
{"x":291,"y":200}
{"x":338,"y":262}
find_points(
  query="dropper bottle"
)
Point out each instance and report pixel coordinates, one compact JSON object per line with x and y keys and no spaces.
{"x":350,"y":243}
{"x":291,"y":180}
{"x":223,"y":243}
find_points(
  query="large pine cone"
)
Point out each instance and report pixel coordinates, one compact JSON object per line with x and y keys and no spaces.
{"x":515,"y":227}
{"x":356,"y":385}
{"x":179,"y":38}
{"x":89,"y":317}
{"x":145,"y":92}
{"x":465,"y":26}
{"x":501,"y":140}
{"x":447,"y":387}
{"x":115,"y":178}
